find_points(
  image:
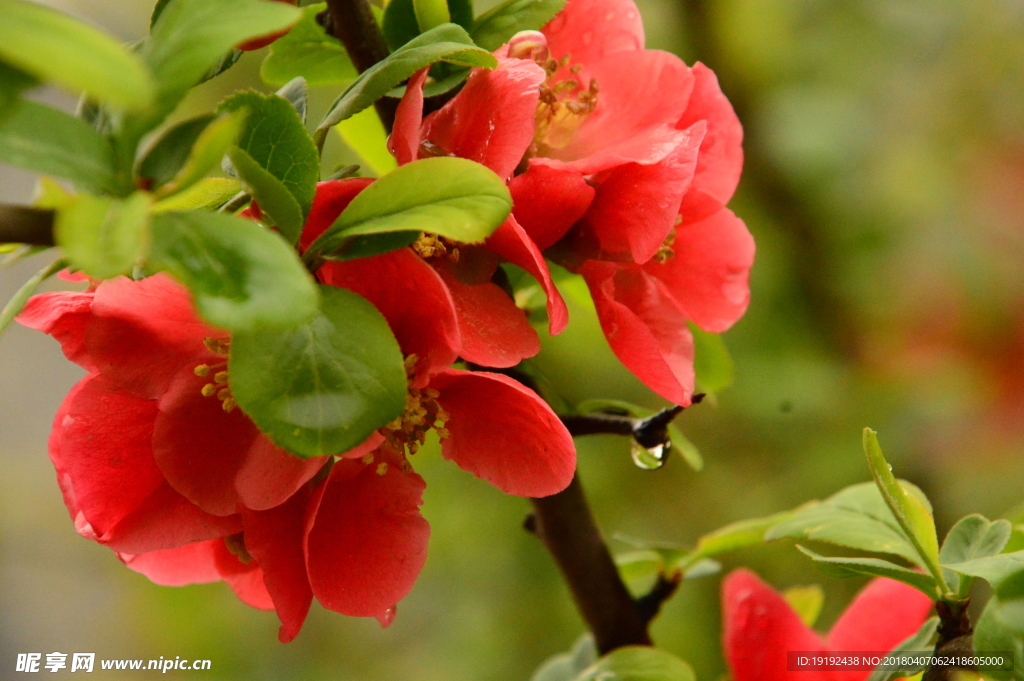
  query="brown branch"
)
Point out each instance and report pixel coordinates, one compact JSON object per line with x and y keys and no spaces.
{"x":352,"y":22}
{"x":956,"y":637}
{"x":564,"y":523}
{"x":26,"y":225}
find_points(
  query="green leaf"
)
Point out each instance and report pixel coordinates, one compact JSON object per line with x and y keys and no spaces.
{"x":431,"y":13}
{"x":190,"y":37}
{"x":47,"y":141}
{"x":856,"y":517}
{"x":400,"y":24}
{"x":448,"y":43}
{"x":973,"y":537}
{"x":165,"y":158}
{"x":13,"y":81}
{"x":995,"y":569}
{"x":308,"y":51}
{"x":711,"y":361}
{"x":273,"y":197}
{"x":638,"y":663}
{"x":842,"y":567}
{"x":687,"y":450}
{"x":492,"y":29}
{"x":101,"y":236}
{"x":57,"y":48}
{"x":276,"y":139}
{"x":207,"y":151}
{"x":365,"y":135}
{"x":806,"y":601}
{"x":242,"y":275}
{"x":732,"y":537}
{"x":15,"y":304}
{"x":452,"y":197}
{"x":1001,"y":628}
{"x":209,"y":192}
{"x":915,"y":519}
{"x":325,"y":386}
{"x":567,"y":666}
{"x":916,"y":642}
{"x":637,"y":566}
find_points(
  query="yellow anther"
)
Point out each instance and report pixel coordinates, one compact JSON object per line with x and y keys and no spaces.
{"x":209,"y":390}
{"x":202,"y":370}
{"x":367,"y":459}
{"x":221,"y":377}
{"x":414,"y":447}
{"x":443,"y":433}
{"x":382,"y":468}
{"x":228,"y":404}
{"x":220,"y":346}
{"x":223,"y":393}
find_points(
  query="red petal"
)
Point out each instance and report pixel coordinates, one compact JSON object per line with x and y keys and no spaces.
{"x":710,"y":273}
{"x":637,"y":205}
{"x":53,"y":446}
{"x":368,"y":446}
{"x":644,"y":326}
{"x":219,"y":460}
{"x":190,"y":564}
{"x":245,"y":579}
{"x":491,"y":120}
{"x":884,"y":613}
{"x":274,"y":538}
{"x":503,"y":432}
{"x":495,"y":333}
{"x":759,"y":629}
{"x":547,"y":201}
{"x":511,"y":242}
{"x":642,"y":96}
{"x":367,"y":541}
{"x":721,"y":153}
{"x":404,"y":141}
{"x":65,"y":316}
{"x":590,"y":29}
{"x":330,"y":199}
{"x":118,"y":495}
{"x":414,"y":300}
{"x":144,"y":332}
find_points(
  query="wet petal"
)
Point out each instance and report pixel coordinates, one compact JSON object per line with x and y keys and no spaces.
{"x":330,"y":199}
{"x":645,"y":328}
{"x":636,"y":205}
{"x":511,"y":242}
{"x":491,"y":120}
{"x":367,"y":541}
{"x":710,"y":273}
{"x":547,"y":201}
{"x":760,"y":627}
{"x":495,"y":333}
{"x":219,"y":460}
{"x":503,"y":432}
{"x":144,"y":332}
{"x":404,"y":141}
{"x":721,"y":152}
{"x":274,"y":538}
{"x":65,"y":316}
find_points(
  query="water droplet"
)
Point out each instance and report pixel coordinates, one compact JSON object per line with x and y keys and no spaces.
{"x":388,"y":617}
{"x":649,"y":458}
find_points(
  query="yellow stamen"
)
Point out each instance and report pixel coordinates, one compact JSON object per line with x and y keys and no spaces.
{"x":220,"y":377}
{"x":367,"y":459}
{"x":209,"y":390}
{"x":382,"y":468}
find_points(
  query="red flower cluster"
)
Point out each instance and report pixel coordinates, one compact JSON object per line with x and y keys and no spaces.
{"x":156,"y":461}
{"x":760,"y":627}
{"x":620,"y":161}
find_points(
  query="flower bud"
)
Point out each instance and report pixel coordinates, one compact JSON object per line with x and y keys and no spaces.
{"x":531,"y":45}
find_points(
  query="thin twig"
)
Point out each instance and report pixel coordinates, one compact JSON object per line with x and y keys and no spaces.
{"x":352,"y":22}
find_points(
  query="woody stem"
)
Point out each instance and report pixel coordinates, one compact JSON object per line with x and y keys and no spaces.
{"x":352,"y":22}
{"x":25,"y":225}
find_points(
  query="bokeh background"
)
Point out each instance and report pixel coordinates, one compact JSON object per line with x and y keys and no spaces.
{"x":884,"y":185}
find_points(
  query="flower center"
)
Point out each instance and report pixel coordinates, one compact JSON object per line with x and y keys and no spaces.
{"x":432,"y":245}
{"x":219,"y":385}
{"x":565,"y":101}
{"x":665,"y":251}
{"x":422,"y":414}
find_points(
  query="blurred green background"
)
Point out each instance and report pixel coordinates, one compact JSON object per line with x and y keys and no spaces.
{"x":884,"y":185}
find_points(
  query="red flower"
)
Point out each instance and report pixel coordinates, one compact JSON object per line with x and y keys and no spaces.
{"x":760,"y":627}
{"x":621,"y":161}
